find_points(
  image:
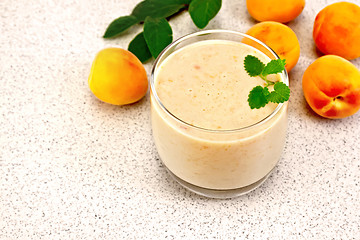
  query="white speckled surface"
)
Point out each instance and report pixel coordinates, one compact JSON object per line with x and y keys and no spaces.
{"x":72,"y":167}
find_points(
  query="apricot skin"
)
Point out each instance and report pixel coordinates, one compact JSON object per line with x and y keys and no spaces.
{"x":337,"y":30}
{"x":275,"y":10}
{"x":331,"y":86}
{"x":117,"y":77}
{"x":279,"y":38}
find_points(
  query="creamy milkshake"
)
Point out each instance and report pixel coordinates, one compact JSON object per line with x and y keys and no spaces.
{"x":205,"y":132}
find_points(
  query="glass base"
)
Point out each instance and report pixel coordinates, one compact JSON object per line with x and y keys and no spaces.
{"x":219,"y":194}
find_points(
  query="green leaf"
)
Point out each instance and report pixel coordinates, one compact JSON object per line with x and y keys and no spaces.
{"x":202,"y":11}
{"x":253,"y":66}
{"x":158,"y":34}
{"x":274,"y":66}
{"x":187,"y":2}
{"x":280,"y":94}
{"x":119,"y":25}
{"x":139,"y":47}
{"x":158,"y":8}
{"x":258,"y":97}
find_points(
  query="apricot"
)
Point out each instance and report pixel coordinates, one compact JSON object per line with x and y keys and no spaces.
{"x":279,"y":38}
{"x":117,"y":77}
{"x":337,"y":30}
{"x":275,"y":10}
{"x":331,"y":86}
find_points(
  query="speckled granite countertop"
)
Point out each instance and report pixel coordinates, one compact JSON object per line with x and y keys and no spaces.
{"x":72,"y":167}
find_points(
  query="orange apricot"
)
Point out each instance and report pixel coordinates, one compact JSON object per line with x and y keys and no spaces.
{"x":118,"y":77}
{"x":275,"y":10}
{"x":337,"y":30}
{"x":331,"y":86}
{"x":279,"y":38}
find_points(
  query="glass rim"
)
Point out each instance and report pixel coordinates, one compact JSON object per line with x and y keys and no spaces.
{"x":207,"y":32}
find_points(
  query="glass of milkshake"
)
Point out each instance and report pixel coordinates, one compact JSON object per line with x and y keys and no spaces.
{"x":206,"y":135}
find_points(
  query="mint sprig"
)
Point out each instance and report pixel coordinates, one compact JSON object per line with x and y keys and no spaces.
{"x":259,"y":96}
{"x":153,"y":13}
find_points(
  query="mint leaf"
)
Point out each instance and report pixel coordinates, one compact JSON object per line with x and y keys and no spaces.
{"x":157,"y":34}
{"x":280,"y":94}
{"x":258,"y":97}
{"x":253,"y":66}
{"x":158,"y":8}
{"x":119,"y":25}
{"x":274,"y":66}
{"x":202,"y":11}
{"x":139,"y":47}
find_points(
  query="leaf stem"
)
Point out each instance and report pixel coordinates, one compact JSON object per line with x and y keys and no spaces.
{"x":268,"y":82}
